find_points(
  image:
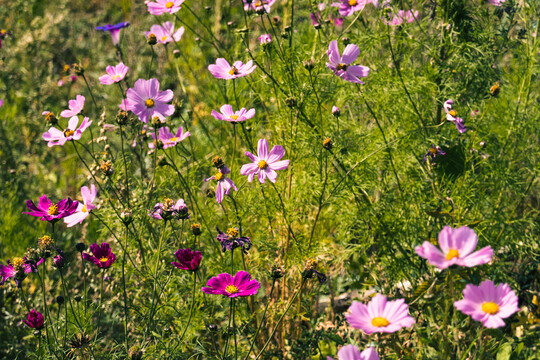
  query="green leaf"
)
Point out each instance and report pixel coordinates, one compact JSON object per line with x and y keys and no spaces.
{"x":505,"y":351}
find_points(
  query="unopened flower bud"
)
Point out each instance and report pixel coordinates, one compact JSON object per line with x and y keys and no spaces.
{"x":217,"y":162}
{"x":127,"y":217}
{"x":151,"y":39}
{"x":176,"y":53}
{"x":78,"y":69}
{"x":277,"y":272}
{"x":196,"y":229}
{"x":122,"y":117}
{"x":346,"y":40}
{"x":78,"y":298}
{"x":80,"y":247}
{"x":336,"y":111}
{"x":59,"y":299}
{"x":309,"y":64}
{"x":59,"y":262}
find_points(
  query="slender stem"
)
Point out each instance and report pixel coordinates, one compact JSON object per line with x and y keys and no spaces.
{"x":234,"y":329}
{"x":262,"y":321}
{"x":151,"y":61}
{"x":156,"y":268}
{"x":125,"y":293}
{"x":84,"y":283}
{"x":68,"y":298}
{"x":192,"y":305}
{"x":125,"y":164}
{"x":102,"y":275}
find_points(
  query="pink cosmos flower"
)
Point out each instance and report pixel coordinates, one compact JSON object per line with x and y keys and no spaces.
{"x":224,"y":184}
{"x":164,"y":6}
{"x":496,"y":2}
{"x":457,"y":247}
{"x":230,"y":286}
{"x":46,"y":210}
{"x":146,"y":100}
{"x":379,"y":315}
{"x":351,"y":352}
{"x":228,"y":114}
{"x":169,"y":209}
{"x":451,"y":115}
{"x":56,"y":137}
{"x":488,"y":303}
{"x":165,"y":34}
{"x":223,"y":70}
{"x":349,"y":7}
{"x":265,"y":164}
{"x":75,"y":107}
{"x":401,"y":17}
{"x":341,"y":65}
{"x":317,"y":19}
{"x":83,"y":210}
{"x":114,"y":74}
{"x":102,"y":255}
{"x":168,"y":138}
{"x":265,"y":39}
{"x":61,"y":83}
{"x":258,"y":5}
{"x":1,"y":102}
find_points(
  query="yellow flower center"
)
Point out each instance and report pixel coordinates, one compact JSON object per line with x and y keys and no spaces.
{"x":103,"y":259}
{"x":379,"y":322}
{"x":453,"y":112}
{"x":258,"y":3}
{"x":84,"y":209}
{"x":232,"y":232}
{"x":452,"y":253}
{"x":433,"y":150}
{"x":68,"y":132}
{"x":149,"y":103}
{"x":234,"y":117}
{"x":116,"y":77}
{"x":231,"y":289}
{"x":233,"y":71}
{"x":263,"y":164}
{"x":53,"y":209}
{"x":3,"y":31}
{"x":173,"y":139}
{"x":164,"y":38}
{"x":169,"y":5}
{"x":353,"y":2}
{"x":490,"y":308}
{"x":219,"y":176}
{"x":342,"y":67}
{"x":17,"y":262}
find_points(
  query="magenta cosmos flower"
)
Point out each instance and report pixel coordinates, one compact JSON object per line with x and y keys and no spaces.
{"x":351,"y":352}
{"x":114,"y":30}
{"x":18,"y":269}
{"x":35,"y":320}
{"x":223,"y":70}
{"x":164,"y":6}
{"x":265,"y":163}
{"x":224,"y":184}
{"x":379,"y":315}
{"x":165,"y":34}
{"x":75,"y":107}
{"x":169,"y":139}
{"x":228,"y":114}
{"x":488,"y":303}
{"x":83,"y":210}
{"x":114,"y":74}
{"x":451,"y":115}
{"x":341,"y":65}
{"x":187,"y":259}
{"x":496,"y":2}
{"x":265,"y":39}
{"x":102,"y":256}
{"x":49,"y":211}
{"x":457,"y":247}
{"x":238,"y":285}
{"x":258,"y":5}
{"x":57,"y":137}
{"x":400,"y":17}
{"x":146,"y":100}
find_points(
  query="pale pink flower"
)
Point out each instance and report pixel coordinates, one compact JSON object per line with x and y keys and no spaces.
{"x":114,"y":74}
{"x":223,"y":70}
{"x":224,"y":184}
{"x":169,"y":139}
{"x":265,"y":39}
{"x":401,"y":16}
{"x":57,"y":137}
{"x":496,"y":2}
{"x":165,"y":34}
{"x":349,"y":7}
{"x":351,"y":352}
{"x":228,"y":114}
{"x":146,"y":100}
{"x":83,"y":210}
{"x":164,"y":6}
{"x":342,"y":65}
{"x":258,"y":5}
{"x":75,"y":107}
{"x":265,"y":163}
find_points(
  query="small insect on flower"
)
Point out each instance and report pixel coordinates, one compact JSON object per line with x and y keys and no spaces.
{"x":49,"y":211}
{"x":146,"y":100}
{"x":488,"y":303}
{"x":228,"y":114}
{"x":35,"y":320}
{"x":102,"y":255}
{"x":114,"y":30}
{"x":164,"y":6}
{"x":223,"y":70}
{"x":114,"y":74}
{"x":351,"y":352}
{"x":57,"y":137}
{"x":265,"y":164}
{"x":379,"y":315}
{"x":342,"y":65}
{"x":239,"y":285}
{"x":84,"y":209}
{"x":165,"y":34}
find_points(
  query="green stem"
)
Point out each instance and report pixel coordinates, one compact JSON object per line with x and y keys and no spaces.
{"x":192,"y":305}
{"x":156,"y":269}
{"x":262,"y":321}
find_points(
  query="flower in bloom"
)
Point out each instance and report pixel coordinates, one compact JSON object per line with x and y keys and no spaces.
{"x":457,"y":247}
{"x":164,"y":6}
{"x":341,"y":65}
{"x":317,"y":19}
{"x":265,"y":163}
{"x":169,"y":139}
{"x":496,"y":2}
{"x":75,"y":107}
{"x":488,"y":303}
{"x":114,"y":30}
{"x":1,"y":102}
{"x":349,"y":7}
{"x":451,"y":115}
{"x":146,"y":100}
{"x":165,"y":34}
{"x":228,"y":114}
{"x":401,"y":16}
{"x":225,"y":284}
{"x":169,"y":209}
{"x":102,"y":256}
{"x":187,"y":259}
{"x":433,"y":152}
{"x":223,"y":70}
{"x":114,"y":74}
{"x":265,"y":39}
{"x":231,"y":240}
{"x":379,"y":315}
{"x":57,"y":137}
{"x":18,"y":268}
{"x":83,"y":210}
{"x":35,"y":320}
{"x":49,"y":211}
{"x":258,"y":5}
{"x":224,"y":184}
{"x":351,"y":352}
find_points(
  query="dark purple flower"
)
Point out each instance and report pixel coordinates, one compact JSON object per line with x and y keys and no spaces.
{"x":59,"y":261}
{"x":114,"y":30}
{"x":49,"y":211}
{"x":187,"y":259}
{"x":225,"y":284}
{"x":433,"y":152}
{"x":102,"y":255}
{"x":35,"y":320}
{"x":231,"y":240}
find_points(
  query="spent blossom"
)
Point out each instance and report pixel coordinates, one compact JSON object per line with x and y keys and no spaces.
{"x":232,"y":240}
{"x":239,"y":285}
{"x":265,"y":164}
{"x":114,"y":30}
{"x":228,"y":114}
{"x":114,"y":74}
{"x":84,"y":209}
{"x":146,"y":100}
{"x":165,"y":34}
{"x":223,"y":70}
{"x":342,"y":65}
{"x":57,"y":137}
{"x":433,"y":152}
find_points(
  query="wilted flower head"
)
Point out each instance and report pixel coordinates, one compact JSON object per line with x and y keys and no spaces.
{"x":342,"y":65}
{"x":114,"y":30}
{"x":231,"y":240}
{"x":57,"y":137}
{"x":49,"y":211}
{"x":265,"y":164}
{"x":102,"y":255}
{"x":230,"y":286}
{"x":146,"y":100}
{"x":457,"y":246}
{"x":187,"y":259}
{"x":84,"y":209}
{"x":45,"y":243}
{"x":488,"y":303}
{"x":35,"y":320}
{"x":228,"y":114}
{"x":351,"y":352}
{"x":451,"y":115}
{"x":59,"y":261}
{"x":223,"y":70}
{"x":165,"y":34}
{"x":258,"y":5}
{"x":164,"y":6}
{"x":114,"y":74}
{"x":311,"y":268}
{"x":433,"y":152}
{"x":170,"y":209}
{"x":224,"y":184}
